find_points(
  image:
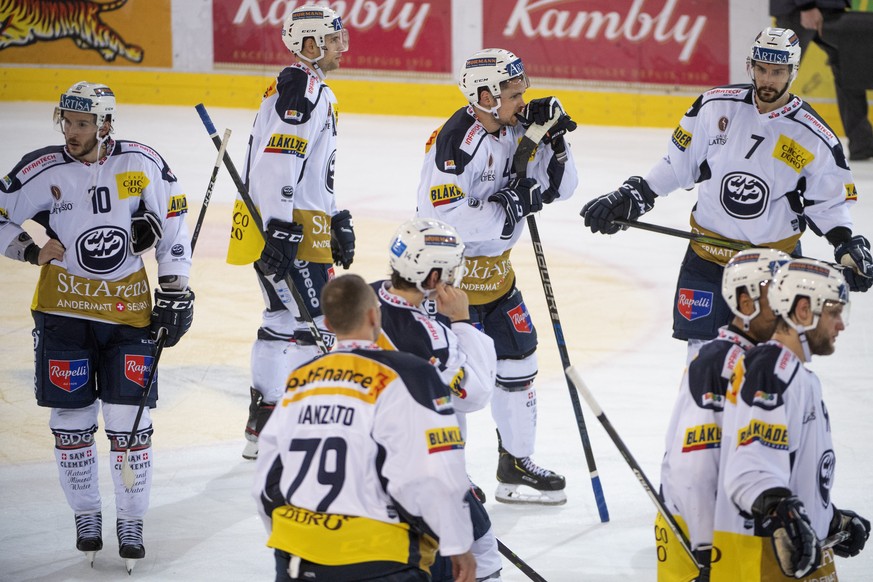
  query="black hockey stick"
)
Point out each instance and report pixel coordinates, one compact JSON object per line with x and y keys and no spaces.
{"x":528,"y":143}
{"x":519,"y":563}
{"x":128,"y":477}
{"x":256,"y":217}
{"x":576,"y":378}
{"x":208,"y":194}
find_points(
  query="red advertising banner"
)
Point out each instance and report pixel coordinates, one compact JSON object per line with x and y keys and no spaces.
{"x":673,"y":42}
{"x":392,"y":35}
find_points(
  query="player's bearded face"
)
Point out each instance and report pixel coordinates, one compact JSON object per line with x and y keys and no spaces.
{"x":822,"y":339}
{"x":771,"y":81}
{"x":80,"y":134}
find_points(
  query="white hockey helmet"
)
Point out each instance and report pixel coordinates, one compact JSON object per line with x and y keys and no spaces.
{"x":747,"y":271}
{"x":423,"y":244}
{"x":318,"y":22}
{"x":490,"y":68}
{"x":776,"y":46}
{"x":85,"y":97}
{"x":820,"y":282}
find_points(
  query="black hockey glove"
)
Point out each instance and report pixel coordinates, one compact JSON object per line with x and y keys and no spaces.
{"x":857,"y":527}
{"x":342,"y":238}
{"x":541,"y":111}
{"x":632,"y":199}
{"x":280,"y":248}
{"x":703,"y":555}
{"x":519,"y":198}
{"x":173,"y":311}
{"x":145,"y":230}
{"x":794,"y":541}
{"x":855,"y":255}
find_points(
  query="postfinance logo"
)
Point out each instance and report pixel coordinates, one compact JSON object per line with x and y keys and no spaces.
{"x":445,"y":194}
{"x":131,"y":184}
{"x":281,"y":143}
{"x":443,"y":439}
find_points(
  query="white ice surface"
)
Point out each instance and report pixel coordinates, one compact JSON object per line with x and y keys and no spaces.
{"x":613,"y":294}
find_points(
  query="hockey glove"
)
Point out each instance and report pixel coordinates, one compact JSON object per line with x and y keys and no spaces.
{"x":857,"y":527}
{"x":145,"y":230}
{"x":632,"y":199}
{"x":855,"y":254}
{"x":794,"y":541}
{"x":541,"y":111}
{"x":280,"y":248}
{"x":518,"y":199}
{"x":342,"y":238}
{"x":173,"y":311}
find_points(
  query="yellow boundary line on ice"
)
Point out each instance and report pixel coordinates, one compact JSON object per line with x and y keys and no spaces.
{"x":633,"y":108}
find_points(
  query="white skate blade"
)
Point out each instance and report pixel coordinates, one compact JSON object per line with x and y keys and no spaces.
{"x":524,"y":495}
{"x":90,"y":557}
{"x":250,"y":451}
{"x":129,"y":563}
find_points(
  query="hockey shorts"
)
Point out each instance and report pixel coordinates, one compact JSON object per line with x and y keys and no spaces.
{"x":78,"y":361}
{"x":508,"y":322}
{"x":382,"y":571}
{"x":698,"y":307}
{"x":309,"y":279}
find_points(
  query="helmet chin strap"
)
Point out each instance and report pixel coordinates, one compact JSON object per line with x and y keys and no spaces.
{"x":314,"y":62}
{"x":493,"y":111}
{"x":801,"y":334}
{"x":804,"y":344}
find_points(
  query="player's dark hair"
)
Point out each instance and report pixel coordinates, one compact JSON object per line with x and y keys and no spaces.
{"x":345,"y":301}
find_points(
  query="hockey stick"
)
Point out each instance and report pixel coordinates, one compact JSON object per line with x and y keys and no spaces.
{"x":701,"y":238}
{"x":128,"y":477}
{"x":518,"y":562}
{"x":531,"y":138}
{"x":576,"y":378}
{"x":256,"y":217}
{"x":208,"y":194}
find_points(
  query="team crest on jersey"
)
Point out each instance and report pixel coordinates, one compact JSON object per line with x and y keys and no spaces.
{"x":722,"y":123}
{"x":851,"y":192}
{"x":704,"y":436}
{"x":694,"y":304}
{"x":177,"y":206}
{"x":826,"y":476}
{"x":743,"y":195}
{"x":136,"y":368}
{"x":774,"y":436}
{"x":445,"y":194}
{"x":329,"y":172}
{"x":681,"y":138}
{"x":281,"y":143}
{"x":520,"y":318}
{"x":102,"y":249}
{"x":69,"y":375}
{"x":131,"y":184}
{"x":440,"y":440}
{"x":56,"y":192}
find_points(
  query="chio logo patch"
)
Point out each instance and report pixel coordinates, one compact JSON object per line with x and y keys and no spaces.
{"x":101,"y":250}
{"x":744,"y":195}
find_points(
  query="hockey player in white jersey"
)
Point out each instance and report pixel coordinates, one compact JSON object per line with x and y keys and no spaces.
{"x":103,"y":203}
{"x":468,"y":180}
{"x":689,"y":470}
{"x":361,"y":467}
{"x":766,"y":167}
{"x":777,"y":463}
{"x":289,"y":171}
{"x":427,"y":261}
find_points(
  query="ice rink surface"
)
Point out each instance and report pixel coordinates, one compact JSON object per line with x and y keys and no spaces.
{"x":613,"y":293}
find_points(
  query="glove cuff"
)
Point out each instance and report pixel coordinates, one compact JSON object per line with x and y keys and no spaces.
{"x":767,"y":501}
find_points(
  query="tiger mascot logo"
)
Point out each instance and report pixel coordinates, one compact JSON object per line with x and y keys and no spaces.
{"x":25,"y":22}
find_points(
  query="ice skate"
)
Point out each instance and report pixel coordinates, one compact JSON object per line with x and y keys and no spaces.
{"x":89,"y":535}
{"x":259,"y":413}
{"x":130,"y":545}
{"x":523,"y":481}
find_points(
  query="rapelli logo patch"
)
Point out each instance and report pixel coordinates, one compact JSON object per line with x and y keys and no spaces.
{"x":69,"y":375}
{"x":693,"y":303}
{"x":136,"y":368}
{"x":520,"y":318}
{"x":443,"y":439}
